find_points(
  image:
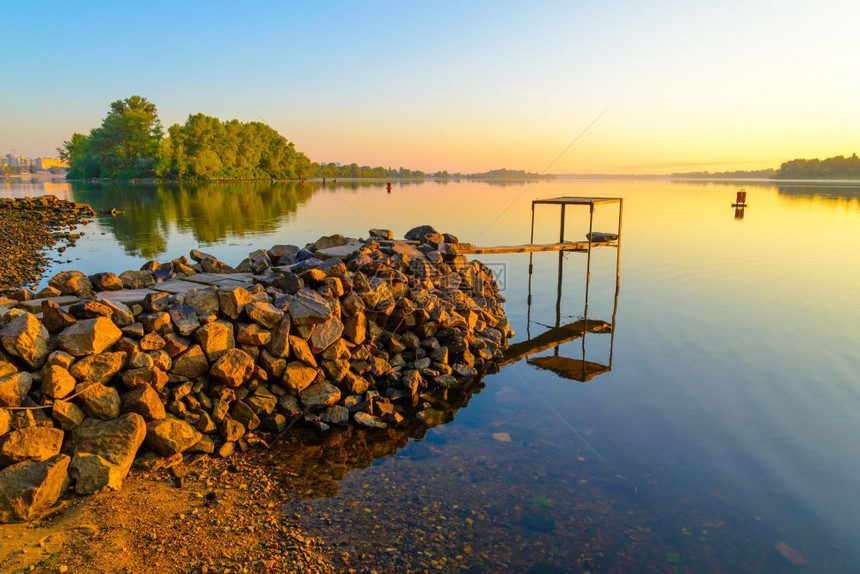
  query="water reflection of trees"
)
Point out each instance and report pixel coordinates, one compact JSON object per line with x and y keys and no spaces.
{"x":846,"y":194}
{"x":210,"y":212}
{"x":313,"y":465}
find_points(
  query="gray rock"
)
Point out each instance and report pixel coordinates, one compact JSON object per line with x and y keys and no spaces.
{"x":319,"y":395}
{"x":336,"y":415}
{"x":263,"y":313}
{"x":57,"y":382}
{"x":325,"y":334}
{"x":369,"y":421}
{"x":68,"y":415}
{"x":98,"y":400}
{"x":92,"y":473}
{"x":117,"y":440}
{"x":184,"y":318}
{"x":99,"y":368}
{"x":307,"y":307}
{"x":233,"y":368}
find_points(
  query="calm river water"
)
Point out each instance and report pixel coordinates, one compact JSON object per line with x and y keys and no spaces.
{"x":723,"y":439}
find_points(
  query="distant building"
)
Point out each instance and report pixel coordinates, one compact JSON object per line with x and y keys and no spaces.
{"x":46,"y":163}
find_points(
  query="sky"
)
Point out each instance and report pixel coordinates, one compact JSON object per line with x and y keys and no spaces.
{"x":570,"y":86}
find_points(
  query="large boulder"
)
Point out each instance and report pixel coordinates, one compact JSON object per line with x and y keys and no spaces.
{"x":30,"y":443}
{"x":30,"y":487}
{"x":420,"y":232}
{"x":89,"y":337}
{"x":116,"y":441}
{"x":26,"y":338}
{"x":170,"y":436}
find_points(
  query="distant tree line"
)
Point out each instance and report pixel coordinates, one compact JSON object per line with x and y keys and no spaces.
{"x":838,"y":167}
{"x":335,"y":170}
{"x":510,"y":174}
{"x":737,"y":174}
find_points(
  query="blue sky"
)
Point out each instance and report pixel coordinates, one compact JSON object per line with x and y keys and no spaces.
{"x":455,"y":85}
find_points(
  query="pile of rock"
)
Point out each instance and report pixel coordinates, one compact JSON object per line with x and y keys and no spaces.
{"x":341,"y":332}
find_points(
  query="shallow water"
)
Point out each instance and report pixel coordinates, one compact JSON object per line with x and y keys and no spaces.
{"x":722,"y":439}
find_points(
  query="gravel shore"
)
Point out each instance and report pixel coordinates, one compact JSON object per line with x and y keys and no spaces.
{"x":32,"y":226}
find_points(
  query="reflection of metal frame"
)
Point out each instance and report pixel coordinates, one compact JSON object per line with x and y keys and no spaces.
{"x":577,"y":369}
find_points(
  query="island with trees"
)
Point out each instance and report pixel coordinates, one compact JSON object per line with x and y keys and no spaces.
{"x":131,"y":144}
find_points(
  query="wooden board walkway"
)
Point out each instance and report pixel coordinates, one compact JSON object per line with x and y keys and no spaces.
{"x":579,"y":246}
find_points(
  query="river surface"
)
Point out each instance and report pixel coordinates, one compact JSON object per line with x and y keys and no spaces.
{"x":724,"y":438}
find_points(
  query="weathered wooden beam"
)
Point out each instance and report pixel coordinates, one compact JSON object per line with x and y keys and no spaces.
{"x":469,"y":249}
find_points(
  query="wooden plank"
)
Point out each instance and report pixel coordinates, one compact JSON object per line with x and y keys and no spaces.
{"x":575,"y":200}
{"x":552,"y":338}
{"x":468,"y":249}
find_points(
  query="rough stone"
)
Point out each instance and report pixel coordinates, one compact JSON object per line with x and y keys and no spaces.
{"x":192,"y":363}
{"x":232,"y":301}
{"x":57,"y":382}
{"x":171,"y":435}
{"x":92,"y":473}
{"x":319,"y":395}
{"x":325,"y":334}
{"x":215,"y":339}
{"x":31,"y":487}
{"x":144,"y":401}
{"x":70,"y":282}
{"x":307,"y":307}
{"x":30,"y":443}
{"x":184,"y":318}
{"x":98,"y":400}
{"x":117,"y":440}
{"x":89,"y":337}
{"x":233,"y":368}
{"x":99,"y":368}
{"x":302,"y":351}
{"x":25,"y":338}
{"x":369,"y":421}
{"x":336,"y":415}
{"x":14,"y":389}
{"x":298,"y":376}
{"x":67,"y":414}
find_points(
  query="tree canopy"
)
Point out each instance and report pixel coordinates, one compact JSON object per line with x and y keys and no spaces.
{"x":207,"y":148}
{"x":837,"y":167}
{"x":124,"y":146}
